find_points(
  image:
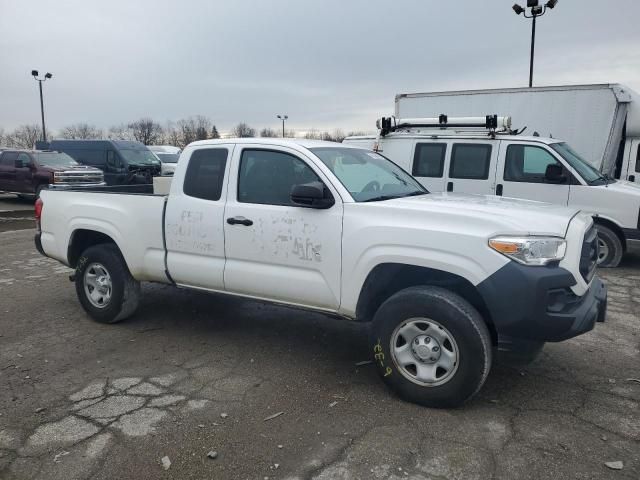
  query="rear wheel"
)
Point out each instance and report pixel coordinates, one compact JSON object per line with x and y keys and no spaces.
{"x":610,"y":247}
{"x":431,"y":346}
{"x":104,"y":286}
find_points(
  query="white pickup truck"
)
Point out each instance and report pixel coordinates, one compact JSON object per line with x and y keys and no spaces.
{"x":444,"y":279}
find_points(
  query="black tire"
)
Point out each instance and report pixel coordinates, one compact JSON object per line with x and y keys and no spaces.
{"x":614,"y":247}
{"x":124,"y":291}
{"x":464,"y":324}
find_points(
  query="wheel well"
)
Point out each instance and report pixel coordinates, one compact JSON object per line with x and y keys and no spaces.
{"x":83,"y":239}
{"x":389,"y":278}
{"x":615,"y":228}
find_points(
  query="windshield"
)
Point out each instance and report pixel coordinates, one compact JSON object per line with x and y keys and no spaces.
{"x":55,"y":159}
{"x":168,"y":157}
{"x":368,"y":175}
{"x":139,"y":157}
{"x":584,"y":169}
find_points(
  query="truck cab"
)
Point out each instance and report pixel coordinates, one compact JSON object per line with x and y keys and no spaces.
{"x":478,"y":160}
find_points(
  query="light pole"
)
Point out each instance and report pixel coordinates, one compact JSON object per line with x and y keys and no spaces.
{"x":40,"y":80}
{"x":536,"y":11}
{"x":283,"y":118}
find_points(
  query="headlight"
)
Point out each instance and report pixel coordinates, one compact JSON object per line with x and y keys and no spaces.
{"x":530,"y":250}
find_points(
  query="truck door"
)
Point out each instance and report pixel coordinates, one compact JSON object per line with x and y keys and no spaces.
{"x":522,"y":172}
{"x":472,"y":167}
{"x":633,"y":172}
{"x":194,"y":219}
{"x":8,"y":171}
{"x":275,"y":249}
{"x":428,"y":164}
{"x":24,"y":174}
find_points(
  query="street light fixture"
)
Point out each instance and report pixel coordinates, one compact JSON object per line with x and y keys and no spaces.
{"x":283,"y":118}
{"x":536,"y":11}
{"x":40,"y":81}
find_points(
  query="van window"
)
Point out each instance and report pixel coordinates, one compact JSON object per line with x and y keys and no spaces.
{"x":526,"y":163}
{"x":470,"y":161}
{"x":267,"y":177}
{"x":205,"y":173}
{"x":428,"y":160}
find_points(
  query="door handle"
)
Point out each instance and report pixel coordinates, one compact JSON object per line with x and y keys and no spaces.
{"x":239,"y":221}
{"x":499,"y":188}
{"x":450,"y":187}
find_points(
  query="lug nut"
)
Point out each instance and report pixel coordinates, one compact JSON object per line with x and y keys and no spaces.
{"x":435,"y":349}
{"x":427,"y":339}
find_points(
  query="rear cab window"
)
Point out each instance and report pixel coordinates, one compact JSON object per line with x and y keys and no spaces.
{"x":470,"y":161}
{"x":205,"y":173}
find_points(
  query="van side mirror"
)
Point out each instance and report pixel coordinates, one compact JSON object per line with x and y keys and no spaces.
{"x":312,"y":195}
{"x":555,"y":174}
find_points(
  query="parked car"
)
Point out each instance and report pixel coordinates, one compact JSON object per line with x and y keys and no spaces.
{"x":168,"y":155}
{"x":443,"y":279}
{"x":601,"y":122}
{"x":27,"y":172}
{"x":468,"y":159}
{"x":123,"y":162}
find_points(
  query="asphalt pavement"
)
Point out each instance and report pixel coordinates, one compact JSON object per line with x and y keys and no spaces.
{"x":272,"y":392}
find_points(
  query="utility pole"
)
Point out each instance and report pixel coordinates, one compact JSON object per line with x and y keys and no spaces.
{"x":535,"y":11}
{"x":40,"y":81}
{"x":283,"y":118}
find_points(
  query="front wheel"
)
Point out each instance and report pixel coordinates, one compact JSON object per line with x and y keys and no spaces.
{"x":610,"y":247}
{"x":431,"y":346}
{"x":104,"y":286}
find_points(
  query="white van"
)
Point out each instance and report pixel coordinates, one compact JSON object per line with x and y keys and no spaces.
{"x":464,"y":156}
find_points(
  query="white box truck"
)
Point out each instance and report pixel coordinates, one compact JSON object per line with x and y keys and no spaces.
{"x":601,"y":122}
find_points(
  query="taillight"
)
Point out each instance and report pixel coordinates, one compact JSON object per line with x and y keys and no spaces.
{"x":38,"y":206}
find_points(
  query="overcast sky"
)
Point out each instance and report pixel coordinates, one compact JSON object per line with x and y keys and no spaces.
{"x":325,"y":63}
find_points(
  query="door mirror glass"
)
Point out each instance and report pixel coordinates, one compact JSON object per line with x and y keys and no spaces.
{"x":555,"y":174}
{"x":311,"y":195}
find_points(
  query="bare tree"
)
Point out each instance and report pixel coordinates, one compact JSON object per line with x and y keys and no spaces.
{"x":3,"y":137}
{"x":146,"y":131}
{"x":338,"y":135}
{"x":214,"y":132}
{"x":291,"y":133}
{"x":242,"y":130}
{"x":194,"y":128}
{"x":25,"y":136}
{"x":312,"y":134}
{"x":80,"y":131}
{"x":119,"y":132}
{"x":268,"y":132}
{"x":172,"y":135}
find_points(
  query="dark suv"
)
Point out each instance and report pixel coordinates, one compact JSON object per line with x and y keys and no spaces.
{"x":26,"y":172}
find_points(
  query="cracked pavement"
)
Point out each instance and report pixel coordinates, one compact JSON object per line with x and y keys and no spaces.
{"x":192,"y":373}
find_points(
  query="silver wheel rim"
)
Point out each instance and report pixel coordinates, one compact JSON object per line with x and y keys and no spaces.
{"x":603,"y":250}
{"x":97,"y":285}
{"x":425,"y":352}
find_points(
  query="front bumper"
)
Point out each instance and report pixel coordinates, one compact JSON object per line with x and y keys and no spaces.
{"x":537,"y":304}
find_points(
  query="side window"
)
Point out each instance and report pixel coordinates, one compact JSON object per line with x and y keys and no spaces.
{"x":471,"y":161}
{"x":96,"y":158}
{"x":428,"y":160}
{"x":205,"y":173}
{"x":24,"y":158}
{"x":638,"y":160}
{"x":526,"y":163}
{"x":267,"y":177}
{"x":8,"y":159}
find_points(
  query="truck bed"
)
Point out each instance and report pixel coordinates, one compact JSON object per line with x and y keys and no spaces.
{"x":133,"y":218}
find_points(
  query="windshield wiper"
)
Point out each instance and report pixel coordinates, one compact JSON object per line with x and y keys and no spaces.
{"x":391,"y":197}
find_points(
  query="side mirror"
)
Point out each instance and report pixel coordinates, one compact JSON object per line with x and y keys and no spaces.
{"x":555,"y":174}
{"x":312,"y":195}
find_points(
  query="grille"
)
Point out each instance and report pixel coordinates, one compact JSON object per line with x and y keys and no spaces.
{"x":78,"y":177}
{"x":589,"y":255}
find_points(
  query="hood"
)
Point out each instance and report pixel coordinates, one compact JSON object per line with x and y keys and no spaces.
{"x":501,"y":215}
{"x":623,"y":187}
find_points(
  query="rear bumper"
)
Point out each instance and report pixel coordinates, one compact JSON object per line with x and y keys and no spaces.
{"x":537,"y":304}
